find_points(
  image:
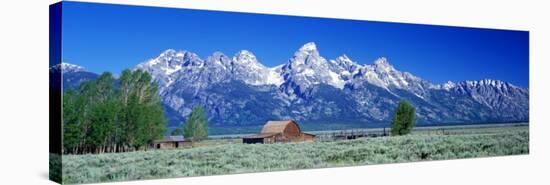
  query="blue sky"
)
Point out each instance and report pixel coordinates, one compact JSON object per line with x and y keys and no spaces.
{"x":104,"y":37}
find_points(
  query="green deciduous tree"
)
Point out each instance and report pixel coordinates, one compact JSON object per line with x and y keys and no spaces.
{"x":142,"y":112}
{"x":104,"y":113}
{"x":404,"y":118}
{"x":196,"y":126}
{"x":102,"y":116}
{"x":71,"y":121}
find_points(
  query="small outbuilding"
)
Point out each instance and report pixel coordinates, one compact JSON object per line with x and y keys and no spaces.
{"x":171,"y":142}
{"x":278,"y":132}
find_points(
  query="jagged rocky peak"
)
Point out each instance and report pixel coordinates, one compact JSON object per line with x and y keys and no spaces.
{"x":164,"y":57}
{"x":172,"y":59}
{"x":307,"y":68}
{"x":348,"y":62}
{"x":247,"y":60}
{"x":166,"y":63}
{"x":245,"y":57}
{"x":218,"y":58}
{"x":298,"y":89}
{"x":486,"y":82}
{"x":192,"y":59}
{"x":246,"y":68}
{"x":309,"y":47}
{"x":381,"y":73}
{"x":344,"y":67}
{"x":496,"y":83}
{"x":171,"y":55}
{"x":306,"y":58}
{"x":383,"y":64}
{"x":307,"y":55}
{"x":217,"y":55}
{"x":448,"y":85}
{"x":490,"y":89}
{"x":168,"y":53}
{"x":344,"y":59}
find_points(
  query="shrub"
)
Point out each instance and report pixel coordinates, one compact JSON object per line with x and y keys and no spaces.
{"x":239,"y":158}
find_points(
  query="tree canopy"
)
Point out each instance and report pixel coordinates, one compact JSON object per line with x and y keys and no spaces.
{"x":105,"y":115}
{"x":404,"y":118}
{"x":196,"y":126}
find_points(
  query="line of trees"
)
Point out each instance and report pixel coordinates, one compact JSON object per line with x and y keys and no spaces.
{"x":105,"y":115}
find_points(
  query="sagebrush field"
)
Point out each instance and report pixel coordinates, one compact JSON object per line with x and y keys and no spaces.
{"x":232,"y":157}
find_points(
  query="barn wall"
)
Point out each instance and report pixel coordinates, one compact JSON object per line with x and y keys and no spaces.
{"x":269,"y":140}
{"x":282,"y":138}
{"x":253,"y":140}
{"x":171,"y":144}
{"x":307,"y":137}
{"x":184,"y":144}
{"x":164,"y":145}
{"x":292,"y":131}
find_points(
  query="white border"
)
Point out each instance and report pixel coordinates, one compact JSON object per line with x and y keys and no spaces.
{"x":24,"y":95}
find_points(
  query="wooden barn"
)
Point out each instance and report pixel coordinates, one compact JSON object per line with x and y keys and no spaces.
{"x":171,"y":142}
{"x":279,"y":131}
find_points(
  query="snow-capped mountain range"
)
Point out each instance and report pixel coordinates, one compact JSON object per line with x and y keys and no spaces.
{"x":240,"y":90}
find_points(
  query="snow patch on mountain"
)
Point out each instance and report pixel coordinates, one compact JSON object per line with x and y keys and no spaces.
{"x":249,"y":70}
{"x":310,"y":87}
{"x":445,"y":86}
{"x":164,"y":68}
{"x":67,"y":67}
{"x":336,"y":80}
{"x":306,"y":69}
{"x":309,"y":47}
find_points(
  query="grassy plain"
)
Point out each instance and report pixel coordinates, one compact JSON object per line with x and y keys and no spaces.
{"x":213,"y":157}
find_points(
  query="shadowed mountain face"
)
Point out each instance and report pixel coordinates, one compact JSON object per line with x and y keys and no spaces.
{"x":72,"y":75}
{"x":239,"y":90}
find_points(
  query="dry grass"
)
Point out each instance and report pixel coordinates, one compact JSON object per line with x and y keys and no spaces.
{"x":230,"y":156}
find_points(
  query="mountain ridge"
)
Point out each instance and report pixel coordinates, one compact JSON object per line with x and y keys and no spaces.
{"x":310,"y":88}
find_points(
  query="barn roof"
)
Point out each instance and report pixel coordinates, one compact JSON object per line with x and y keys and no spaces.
{"x":308,"y":134}
{"x":277,"y":126}
{"x":171,"y":139}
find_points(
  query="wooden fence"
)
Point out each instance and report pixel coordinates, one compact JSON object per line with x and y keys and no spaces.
{"x":350,"y":134}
